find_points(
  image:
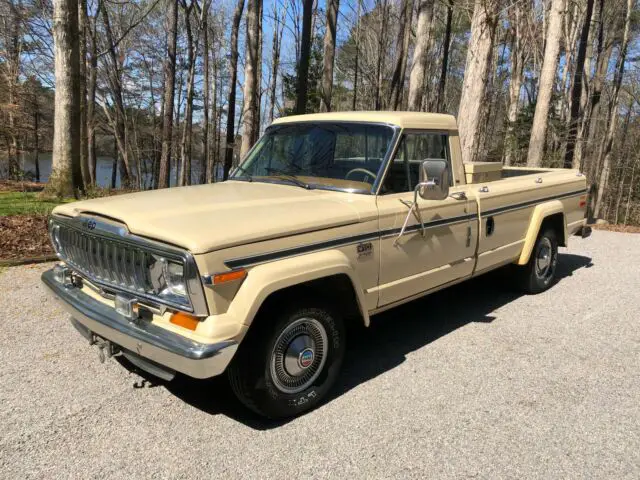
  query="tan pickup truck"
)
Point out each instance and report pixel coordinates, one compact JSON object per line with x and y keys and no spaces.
{"x":330,"y":219}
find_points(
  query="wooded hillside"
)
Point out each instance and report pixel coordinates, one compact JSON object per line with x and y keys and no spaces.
{"x":174,"y":92}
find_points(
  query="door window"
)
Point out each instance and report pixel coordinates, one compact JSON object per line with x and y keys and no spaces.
{"x":403,"y":173}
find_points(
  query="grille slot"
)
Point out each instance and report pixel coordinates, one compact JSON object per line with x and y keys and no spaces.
{"x":117,"y":264}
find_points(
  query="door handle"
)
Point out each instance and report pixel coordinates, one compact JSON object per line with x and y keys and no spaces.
{"x":484,"y":189}
{"x":459,"y":196}
{"x":539,"y":180}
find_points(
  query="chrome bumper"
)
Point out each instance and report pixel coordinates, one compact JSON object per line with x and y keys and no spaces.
{"x":173,"y":351}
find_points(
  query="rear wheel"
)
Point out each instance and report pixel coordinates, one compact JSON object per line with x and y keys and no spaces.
{"x":285,"y":368}
{"x":540,"y":272}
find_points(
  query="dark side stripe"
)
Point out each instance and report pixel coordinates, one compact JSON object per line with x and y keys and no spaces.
{"x":518,"y":206}
{"x":339,"y":242}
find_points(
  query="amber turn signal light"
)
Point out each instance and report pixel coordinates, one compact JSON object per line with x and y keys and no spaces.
{"x":184,"y":320}
{"x":229,"y":276}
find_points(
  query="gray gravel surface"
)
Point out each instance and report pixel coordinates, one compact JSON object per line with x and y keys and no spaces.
{"x":475,"y":381}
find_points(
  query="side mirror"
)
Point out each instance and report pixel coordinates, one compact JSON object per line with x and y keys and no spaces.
{"x":434,"y":180}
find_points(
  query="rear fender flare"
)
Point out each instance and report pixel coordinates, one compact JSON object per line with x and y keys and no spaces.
{"x":540,"y":212}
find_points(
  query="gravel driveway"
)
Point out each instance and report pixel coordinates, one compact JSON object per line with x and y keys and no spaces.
{"x":475,"y":381}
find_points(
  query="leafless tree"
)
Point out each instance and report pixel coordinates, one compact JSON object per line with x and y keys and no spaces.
{"x":546,"y":84}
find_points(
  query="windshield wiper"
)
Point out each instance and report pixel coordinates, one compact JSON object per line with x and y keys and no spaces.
{"x":288,"y":176}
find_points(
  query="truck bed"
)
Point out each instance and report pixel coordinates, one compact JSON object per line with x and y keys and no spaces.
{"x":481,"y":172}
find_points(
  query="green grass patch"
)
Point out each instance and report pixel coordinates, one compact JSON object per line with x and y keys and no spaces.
{"x":26,"y":203}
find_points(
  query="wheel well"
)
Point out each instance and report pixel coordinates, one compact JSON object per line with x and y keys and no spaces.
{"x":555,"y":222}
{"x":335,"y":290}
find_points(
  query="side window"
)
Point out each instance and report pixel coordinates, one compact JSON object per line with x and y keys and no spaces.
{"x":404,"y":171}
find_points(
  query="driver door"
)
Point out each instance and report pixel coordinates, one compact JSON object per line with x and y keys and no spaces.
{"x":417,"y":262}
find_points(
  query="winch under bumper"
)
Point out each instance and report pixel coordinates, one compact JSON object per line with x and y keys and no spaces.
{"x":146,"y":343}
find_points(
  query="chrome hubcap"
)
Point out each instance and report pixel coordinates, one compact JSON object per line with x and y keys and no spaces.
{"x":545,"y":259}
{"x":299,"y":355}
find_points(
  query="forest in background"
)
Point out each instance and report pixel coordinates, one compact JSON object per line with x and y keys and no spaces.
{"x":177,"y":91}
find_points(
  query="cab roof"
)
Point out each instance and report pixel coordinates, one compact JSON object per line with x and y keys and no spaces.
{"x":419,"y":120}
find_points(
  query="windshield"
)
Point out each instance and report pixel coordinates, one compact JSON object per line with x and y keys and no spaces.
{"x":316,"y":155}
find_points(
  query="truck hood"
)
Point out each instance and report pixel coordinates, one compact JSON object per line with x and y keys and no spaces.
{"x":209,"y":217}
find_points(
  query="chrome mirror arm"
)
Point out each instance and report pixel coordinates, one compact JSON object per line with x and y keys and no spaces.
{"x":413,"y":205}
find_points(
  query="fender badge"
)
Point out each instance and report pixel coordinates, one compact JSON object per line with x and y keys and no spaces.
{"x":364,"y":249}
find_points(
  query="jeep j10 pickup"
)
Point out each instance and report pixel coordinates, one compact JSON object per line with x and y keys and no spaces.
{"x":331,"y":218}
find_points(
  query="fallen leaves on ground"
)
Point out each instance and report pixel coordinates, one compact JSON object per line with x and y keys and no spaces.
{"x":618,"y":228}
{"x":24,"y":236}
{"x":20,"y":186}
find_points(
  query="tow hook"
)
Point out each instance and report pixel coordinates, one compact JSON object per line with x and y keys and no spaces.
{"x":106,"y":349}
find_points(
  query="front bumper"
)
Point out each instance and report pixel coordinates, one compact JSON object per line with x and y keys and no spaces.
{"x":168,"y":349}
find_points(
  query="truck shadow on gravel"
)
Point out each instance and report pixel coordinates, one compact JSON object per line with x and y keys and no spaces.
{"x":385,"y":345}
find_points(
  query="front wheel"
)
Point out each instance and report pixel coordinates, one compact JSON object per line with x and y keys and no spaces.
{"x":287,"y":364}
{"x":540,"y":272}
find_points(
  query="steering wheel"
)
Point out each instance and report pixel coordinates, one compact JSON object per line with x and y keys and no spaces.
{"x":362,"y":170}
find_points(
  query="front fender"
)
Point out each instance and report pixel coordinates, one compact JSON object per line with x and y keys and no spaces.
{"x":263,"y":280}
{"x":540,"y":212}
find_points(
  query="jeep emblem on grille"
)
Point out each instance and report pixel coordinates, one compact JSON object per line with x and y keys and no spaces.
{"x":91,"y":224}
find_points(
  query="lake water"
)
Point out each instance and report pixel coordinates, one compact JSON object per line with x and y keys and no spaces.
{"x":104,"y":169}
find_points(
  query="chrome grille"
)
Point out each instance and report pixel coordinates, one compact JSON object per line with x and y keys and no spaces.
{"x":104,"y":252}
{"x":118,"y":264}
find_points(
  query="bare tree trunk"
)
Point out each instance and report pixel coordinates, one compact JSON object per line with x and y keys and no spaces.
{"x":476,"y":75}
{"x":571,"y":21}
{"x":233,"y":69}
{"x":632,"y":185}
{"x":303,"y":64}
{"x":11,"y":50}
{"x":576,"y":92}
{"x":487,"y":106}
{"x":356,"y":59}
{"x":258,"y":114}
{"x":169,"y":94}
{"x":592,"y":114}
{"x":176,"y":130}
{"x":36,"y":146}
{"x":213,"y":140}
{"x":613,"y":112}
{"x":84,"y":147}
{"x":91,"y":103}
{"x":546,"y":84}
{"x":620,"y":192}
{"x":622,"y":160}
{"x":421,"y":53}
{"x":115,"y":83}
{"x":114,"y":169}
{"x":205,"y":167}
{"x":252,"y":58}
{"x":329,"y":51}
{"x":518,"y":59}
{"x":66,"y":173}
{"x":186,"y":142}
{"x":275,"y":60}
{"x":399,"y":72}
{"x":583,"y":122}
{"x":382,"y":35}
{"x":446,"y":45}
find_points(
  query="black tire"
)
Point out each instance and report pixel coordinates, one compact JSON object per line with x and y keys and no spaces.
{"x":539,"y":273}
{"x":259,"y":376}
